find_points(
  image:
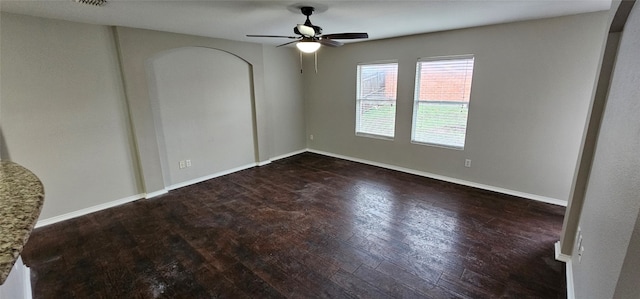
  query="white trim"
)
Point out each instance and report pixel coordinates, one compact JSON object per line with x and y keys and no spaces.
{"x":571,"y":293}
{"x":566,"y":259}
{"x":446,"y":57}
{"x":26,"y":281}
{"x":89,"y":210}
{"x":448,"y":179}
{"x":96,"y":208}
{"x":559,"y":255}
{"x":156,"y":193}
{"x":263,"y":163}
{"x":288,"y":155}
{"x":375,"y":136}
{"x":457,"y":148}
{"x":211,"y":176}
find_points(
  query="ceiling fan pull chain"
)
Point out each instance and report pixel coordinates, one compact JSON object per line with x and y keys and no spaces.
{"x":300,"y":62}
{"x":315,"y":56}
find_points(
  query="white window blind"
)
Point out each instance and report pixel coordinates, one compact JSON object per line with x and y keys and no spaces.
{"x":441,"y":101}
{"x":376,"y":99}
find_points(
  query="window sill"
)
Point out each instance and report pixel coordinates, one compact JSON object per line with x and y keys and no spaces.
{"x":374,"y":136}
{"x":438,"y":145}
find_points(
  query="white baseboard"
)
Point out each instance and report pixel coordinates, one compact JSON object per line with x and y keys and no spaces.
{"x":26,"y":285}
{"x":211,"y":176}
{"x":566,"y":259}
{"x":118,"y":202}
{"x":571,"y":293}
{"x":89,"y":210}
{"x":287,"y":155}
{"x":447,"y":179}
{"x":155,"y":193}
{"x":96,"y":208}
{"x":559,"y":255}
{"x":229,"y":171}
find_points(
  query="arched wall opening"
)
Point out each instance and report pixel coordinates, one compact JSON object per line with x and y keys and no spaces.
{"x":203,"y":111}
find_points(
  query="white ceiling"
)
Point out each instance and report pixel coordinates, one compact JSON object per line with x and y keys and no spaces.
{"x":235,"y":19}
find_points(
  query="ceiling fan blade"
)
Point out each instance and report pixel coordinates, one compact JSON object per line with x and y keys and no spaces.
{"x":286,"y":44}
{"x":306,"y":30}
{"x":279,"y":36}
{"x":351,"y":35}
{"x":330,"y":42}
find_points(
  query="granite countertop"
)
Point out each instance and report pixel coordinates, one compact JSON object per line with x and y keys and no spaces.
{"x":21,"y":199}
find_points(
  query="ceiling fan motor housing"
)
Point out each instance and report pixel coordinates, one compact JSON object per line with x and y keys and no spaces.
{"x":307,"y":10}
{"x":309,"y":33}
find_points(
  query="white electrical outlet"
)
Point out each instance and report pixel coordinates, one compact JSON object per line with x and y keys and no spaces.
{"x":182,"y":164}
{"x":467,"y":163}
{"x":311,"y":137}
{"x":188,"y":163}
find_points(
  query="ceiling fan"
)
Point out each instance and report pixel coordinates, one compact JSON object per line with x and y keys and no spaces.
{"x":310,"y":36}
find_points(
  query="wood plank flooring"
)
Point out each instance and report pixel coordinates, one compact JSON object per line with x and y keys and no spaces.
{"x":308,"y":226}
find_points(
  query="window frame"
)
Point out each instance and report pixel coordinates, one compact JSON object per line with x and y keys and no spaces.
{"x":416,"y":99}
{"x":358,"y":100}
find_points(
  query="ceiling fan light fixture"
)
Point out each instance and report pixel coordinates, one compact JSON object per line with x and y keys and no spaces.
{"x":308,"y":47}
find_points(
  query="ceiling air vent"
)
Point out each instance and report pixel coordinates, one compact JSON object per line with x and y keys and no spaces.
{"x":92,"y":2}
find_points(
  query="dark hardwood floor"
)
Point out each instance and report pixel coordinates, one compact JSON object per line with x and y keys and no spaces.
{"x":304,"y":227}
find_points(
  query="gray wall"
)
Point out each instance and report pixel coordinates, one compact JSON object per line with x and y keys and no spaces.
{"x":203,"y":112}
{"x":64,"y":111}
{"x":136,"y":46}
{"x":67,"y":105}
{"x":609,"y":220}
{"x":284,"y":98}
{"x":532,"y":87}
{"x":628,"y":285}
{"x":590,"y":135}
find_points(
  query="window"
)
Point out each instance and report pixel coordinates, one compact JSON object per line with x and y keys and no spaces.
{"x":376,"y":99}
{"x":441,"y":101}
